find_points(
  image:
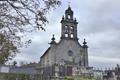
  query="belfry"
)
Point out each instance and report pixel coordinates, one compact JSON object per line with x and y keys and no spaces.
{"x":69,"y":25}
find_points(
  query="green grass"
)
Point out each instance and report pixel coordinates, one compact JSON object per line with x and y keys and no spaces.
{"x":12,"y":76}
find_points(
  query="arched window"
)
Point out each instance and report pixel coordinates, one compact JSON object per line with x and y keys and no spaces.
{"x":71,"y":27}
{"x":66,"y":35}
{"x":71,"y":35}
{"x":68,"y":16}
{"x":66,"y":26}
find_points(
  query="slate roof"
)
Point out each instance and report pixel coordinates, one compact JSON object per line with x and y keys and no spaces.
{"x":25,"y":70}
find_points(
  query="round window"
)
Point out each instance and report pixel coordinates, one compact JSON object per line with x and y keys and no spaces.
{"x":70,"y":53}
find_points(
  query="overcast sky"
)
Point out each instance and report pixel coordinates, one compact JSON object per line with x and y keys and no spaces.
{"x":99,"y":23}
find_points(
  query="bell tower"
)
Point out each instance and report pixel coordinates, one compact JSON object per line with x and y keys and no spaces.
{"x":69,"y":25}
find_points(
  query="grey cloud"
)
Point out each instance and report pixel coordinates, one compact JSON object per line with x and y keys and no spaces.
{"x":101,"y":27}
{"x":103,"y":62}
{"x":104,"y":44}
{"x":98,"y":23}
{"x":100,"y":15}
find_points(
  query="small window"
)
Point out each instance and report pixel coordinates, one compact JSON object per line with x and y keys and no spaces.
{"x":70,"y":53}
{"x":71,"y":27}
{"x":68,"y":16}
{"x":66,"y":27}
{"x":79,"y":62}
{"x":71,"y":36}
{"x":66,"y":35}
{"x":66,"y":30}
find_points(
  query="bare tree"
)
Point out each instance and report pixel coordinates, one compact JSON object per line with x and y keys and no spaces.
{"x":18,"y":17}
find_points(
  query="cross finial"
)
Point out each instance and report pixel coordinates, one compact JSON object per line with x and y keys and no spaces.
{"x":53,"y":38}
{"x":84,"y":42}
{"x":53,"y":35}
{"x":69,"y":4}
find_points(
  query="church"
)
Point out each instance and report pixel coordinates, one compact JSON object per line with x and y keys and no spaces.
{"x":67,"y":57}
{"x":62,"y":60}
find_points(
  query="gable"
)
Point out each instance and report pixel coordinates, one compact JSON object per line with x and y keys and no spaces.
{"x":46,"y":52}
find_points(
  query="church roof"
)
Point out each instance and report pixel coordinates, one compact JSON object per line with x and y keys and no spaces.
{"x":46,"y":52}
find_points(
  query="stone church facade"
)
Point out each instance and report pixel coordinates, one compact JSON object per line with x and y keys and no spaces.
{"x":67,"y":57}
